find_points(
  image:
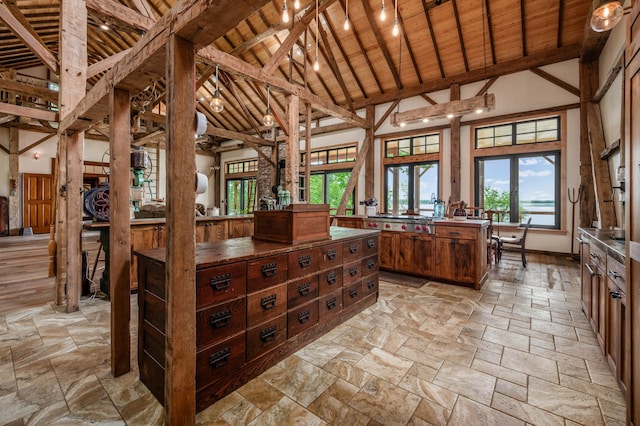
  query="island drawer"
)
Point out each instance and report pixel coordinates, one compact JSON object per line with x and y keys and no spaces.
{"x":330,"y":255}
{"x":352,"y":272}
{"x":456,"y":232}
{"x":266,"y":271}
{"x":370,"y":284}
{"x":302,"y":318}
{"x":330,"y":280}
{"x":221,"y":321}
{"x":221,"y":283}
{"x":330,"y":304}
{"x":266,"y":304}
{"x":303,"y":262}
{"x":369,"y":246}
{"x":352,"y":294}
{"x":219,"y":360}
{"x":302,"y":290}
{"x":351,"y":250}
{"x":266,"y":336}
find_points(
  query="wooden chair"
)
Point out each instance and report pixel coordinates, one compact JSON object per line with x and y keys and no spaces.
{"x":518,"y":242}
{"x":494,"y":246}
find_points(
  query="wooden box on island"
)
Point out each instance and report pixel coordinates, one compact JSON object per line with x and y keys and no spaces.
{"x":295,"y":224}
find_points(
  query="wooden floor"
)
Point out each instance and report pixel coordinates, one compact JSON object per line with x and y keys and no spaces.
{"x":24,"y":270}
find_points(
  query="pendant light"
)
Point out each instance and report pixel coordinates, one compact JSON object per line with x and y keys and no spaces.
{"x":396,"y":27}
{"x":606,"y":16}
{"x":217,"y":105}
{"x":346,"y":17}
{"x":267,"y":119}
{"x":285,"y":13}
{"x":383,"y":12}
{"x":296,"y":4}
{"x":316,"y":64}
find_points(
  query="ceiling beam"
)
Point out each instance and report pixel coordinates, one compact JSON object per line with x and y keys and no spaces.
{"x":456,"y":15}
{"x":21,"y":111}
{"x":144,"y":8}
{"x":35,"y":45}
{"x":490,"y":30}
{"x":30,"y":90}
{"x":456,"y":107}
{"x":382,"y":45}
{"x":425,"y":6}
{"x":105,"y":64}
{"x":110,"y":9}
{"x":592,"y":42}
{"x":333,"y":64}
{"x":555,"y":80}
{"x":523,"y":28}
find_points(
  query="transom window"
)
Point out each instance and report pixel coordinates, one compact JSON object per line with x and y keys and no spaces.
{"x":320,"y":157}
{"x":518,"y":133}
{"x":245,"y":166}
{"x":414,"y":145}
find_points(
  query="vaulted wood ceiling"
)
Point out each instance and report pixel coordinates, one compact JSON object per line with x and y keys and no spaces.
{"x":440,"y":43}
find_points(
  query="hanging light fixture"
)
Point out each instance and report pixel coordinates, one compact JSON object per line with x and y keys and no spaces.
{"x":606,"y":16}
{"x":296,"y":4}
{"x":396,"y":28}
{"x":316,"y":64}
{"x":267,"y":119}
{"x":285,"y":12}
{"x":217,"y":104}
{"x":346,"y":17}
{"x":383,"y":12}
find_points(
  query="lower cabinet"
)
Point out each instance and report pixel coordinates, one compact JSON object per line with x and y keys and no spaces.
{"x":415,"y":253}
{"x":388,"y":250}
{"x":211,"y":231}
{"x":239,"y":228}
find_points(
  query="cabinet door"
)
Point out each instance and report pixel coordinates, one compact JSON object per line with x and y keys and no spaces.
{"x":424,"y":255}
{"x":445,"y":258}
{"x":142,"y":237}
{"x":405,"y":260}
{"x":464,"y":258}
{"x":586,"y":281}
{"x":201,"y":231}
{"x":613,"y":330}
{"x":600,"y":297}
{"x":387,"y":250}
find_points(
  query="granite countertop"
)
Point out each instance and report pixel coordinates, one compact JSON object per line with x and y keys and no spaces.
{"x":613,"y":239}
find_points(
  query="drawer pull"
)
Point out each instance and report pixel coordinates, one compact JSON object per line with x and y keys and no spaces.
{"x":353,"y":271}
{"x":371,"y":264}
{"x":332,"y":278}
{"x":269,"y":270}
{"x":331,"y":254}
{"x":268,"y":302}
{"x":304,"y":261}
{"x":220,"y":319}
{"x":353,"y":248}
{"x":304,"y":288}
{"x":590,"y":269}
{"x":371,"y":243}
{"x":353,"y":293}
{"x":615,"y":295}
{"x":268,"y":334}
{"x":220,"y":358}
{"x":331,"y":303}
{"x":304,"y":316}
{"x":220,"y":282}
{"x":454,"y":233}
{"x":593,"y":256}
{"x":614,"y":274}
{"x":371,"y":284}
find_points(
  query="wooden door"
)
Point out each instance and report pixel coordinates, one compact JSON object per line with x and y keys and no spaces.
{"x":38,"y":197}
{"x":632,"y":162}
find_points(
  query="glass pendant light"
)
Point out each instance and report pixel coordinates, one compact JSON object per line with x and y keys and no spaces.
{"x":396,"y":28}
{"x":267,"y":119}
{"x":346,"y":17}
{"x":217,"y":105}
{"x":296,"y":4}
{"x":606,"y":16}
{"x":316,"y":64}
{"x":285,"y":13}
{"x":383,"y":12}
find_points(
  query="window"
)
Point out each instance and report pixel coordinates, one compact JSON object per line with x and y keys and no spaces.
{"x":331,"y":156}
{"x":328,"y":187}
{"x":241,"y":186}
{"x":411,"y":187}
{"x":242,"y":166}
{"x":414,"y":145}
{"x":518,"y":170}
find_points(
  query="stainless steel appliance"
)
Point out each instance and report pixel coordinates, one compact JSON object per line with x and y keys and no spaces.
{"x":400,"y":223}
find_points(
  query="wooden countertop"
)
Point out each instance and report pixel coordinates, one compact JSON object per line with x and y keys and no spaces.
{"x":162,"y":221}
{"x":611,"y":239}
{"x":239,"y":249}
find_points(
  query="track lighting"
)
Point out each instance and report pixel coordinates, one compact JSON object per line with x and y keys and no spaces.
{"x":217,"y":104}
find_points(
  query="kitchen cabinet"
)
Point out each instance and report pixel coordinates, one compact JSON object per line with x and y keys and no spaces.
{"x":239,"y":228}
{"x":145,"y":236}
{"x":415,"y":253}
{"x":616,"y":323}
{"x":387,"y":251}
{"x":460,"y":254}
{"x":350,"y":221}
{"x":211,"y":230}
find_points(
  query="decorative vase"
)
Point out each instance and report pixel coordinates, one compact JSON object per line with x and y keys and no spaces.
{"x":370,"y":210}
{"x":460,"y":214}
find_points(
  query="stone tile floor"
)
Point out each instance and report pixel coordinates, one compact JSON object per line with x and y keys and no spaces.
{"x":519,"y":351}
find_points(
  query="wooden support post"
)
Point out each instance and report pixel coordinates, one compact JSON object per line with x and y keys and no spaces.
{"x":119,"y":230}
{"x":75,"y":155}
{"x":180,"y":348}
{"x":292,"y":169}
{"x":369,"y":168}
{"x":603,"y":189}
{"x":588,"y":83}
{"x":61,"y":220}
{"x":455,"y":148}
{"x":14,"y":177}
{"x":307,"y":160}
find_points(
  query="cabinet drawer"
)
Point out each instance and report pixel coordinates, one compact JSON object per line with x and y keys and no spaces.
{"x":456,"y":232}
{"x":266,"y":271}
{"x":330,"y":256}
{"x":330,"y":304}
{"x":330,"y":280}
{"x":220,"y":321}
{"x":154,"y":311}
{"x":266,"y":336}
{"x":597,"y":257}
{"x":370,"y":265}
{"x":616,"y":272}
{"x":351,"y":250}
{"x":352,"y":294}
{"x":303,"y":262}
{"x":266,"y":304}
{"x":219,"y":360}
{"x":302,"y":318}
{"x":369,"y":246}
{"x":370,"y":284}
{"x":352,"y":272}
{"x":302,"y":290}
{"x":221,"y":283}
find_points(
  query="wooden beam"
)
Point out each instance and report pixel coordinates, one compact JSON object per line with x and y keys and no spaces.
{"x":119,"y":230}
{"x":361,"y":159}
{"x":106,"y":64}
{"x":153,"y":137}
{"x":381,"y":44}
{"x":28,"y":89}
{"x":602,"y":181}
{"x":292,"y":149}
{"x":113,"y":10}
{"x":369,"y":163}
{"x":4,"y":148}
{"x":333,"y":64}
{"x":434,"y":42}
{"x":514,"y":116}
{"x":503,"y":68}
{"x":592,"y":42}
{"x":486,"y":102}
{"x":144,"y":8}
{"x":180,"y":275}
{"x":36,"y":143}
{"x":22,"y":111}
{"x":455,"y":160}
{"x":610,"y":150}
{"x":588,"y":83}
{"x":456,"y":15}
{"x":618,"y":64}
{"x":555,"y":80}
{"x":387,"y":114}
{"x":486,"y":86}
{"x":307,"y":159}
{"x":34,"y":44}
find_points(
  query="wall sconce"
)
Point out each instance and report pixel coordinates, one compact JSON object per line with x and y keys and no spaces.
{"x":486,"y":102}
{"x":36,"y":155}
{"x":13,"y":186}
{"x":607,"y":15}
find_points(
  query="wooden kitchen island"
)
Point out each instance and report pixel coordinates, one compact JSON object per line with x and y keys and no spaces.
{"x":257,"y":302}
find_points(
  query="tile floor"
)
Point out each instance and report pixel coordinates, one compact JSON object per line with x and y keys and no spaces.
{"x":519,"y":351}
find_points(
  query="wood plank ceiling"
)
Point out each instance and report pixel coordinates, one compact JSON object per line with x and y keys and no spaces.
{"x":440,"y":43}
